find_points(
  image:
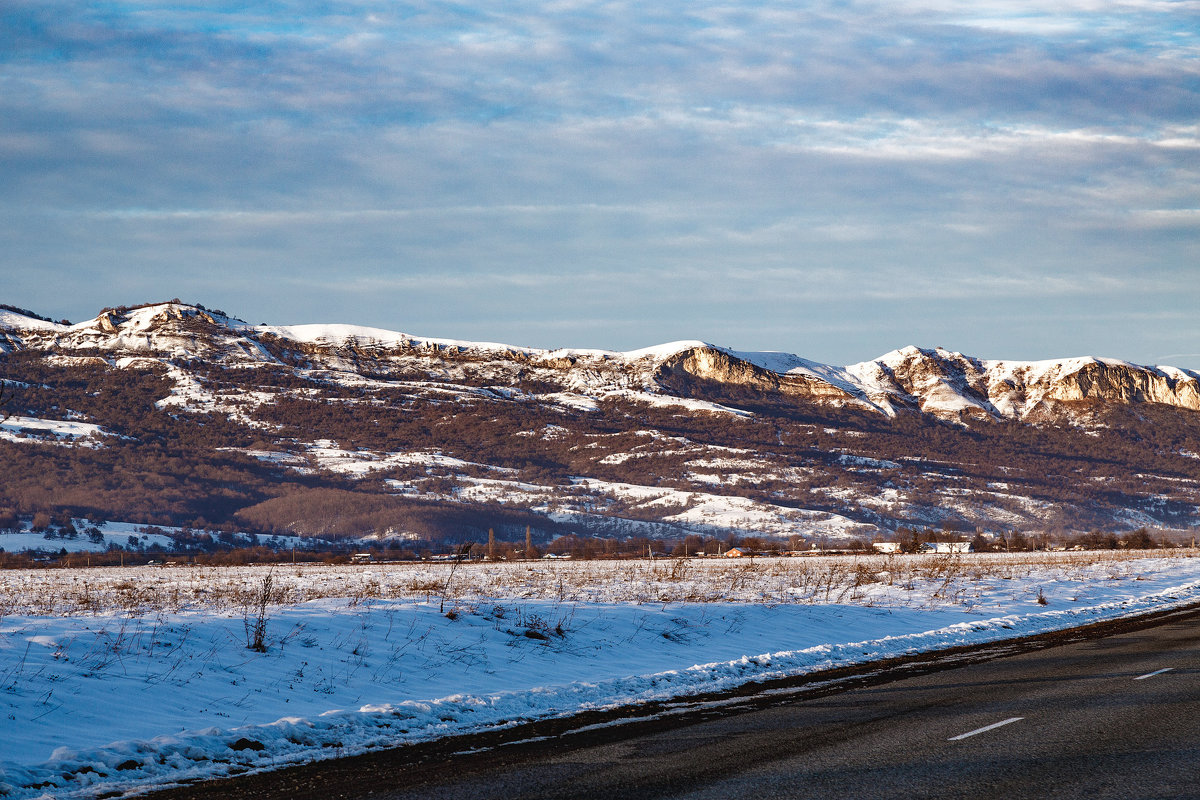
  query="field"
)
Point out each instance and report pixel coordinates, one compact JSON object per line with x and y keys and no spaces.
{"x":118,"y":679}
{"x":872,"y":580}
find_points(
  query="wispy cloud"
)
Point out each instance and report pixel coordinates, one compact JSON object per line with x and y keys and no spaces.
{"x":914,"y":165}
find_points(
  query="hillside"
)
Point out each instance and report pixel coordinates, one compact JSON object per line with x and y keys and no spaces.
{"x":175,"y":414}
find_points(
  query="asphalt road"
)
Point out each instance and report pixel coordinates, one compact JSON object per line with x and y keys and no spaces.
{"x":1114,"y":717}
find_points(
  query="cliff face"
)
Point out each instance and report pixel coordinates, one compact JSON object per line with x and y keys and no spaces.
{"x":951,"y":385}
{"x":686,"y":371}
{"x":1128,"y":384}
{"x":945,"y":384}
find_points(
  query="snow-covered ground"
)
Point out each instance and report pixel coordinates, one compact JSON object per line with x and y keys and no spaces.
{"x":126,"y":535}
{"x":115,"y":680}
{"x":55,"y":431}
{"x":122,"y":534}
{"x":702,"y":512}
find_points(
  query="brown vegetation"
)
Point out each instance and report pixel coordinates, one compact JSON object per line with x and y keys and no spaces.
{"x":163,"y":466}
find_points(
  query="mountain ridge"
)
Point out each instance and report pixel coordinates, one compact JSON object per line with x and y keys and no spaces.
{"x":936,"y":381}
{"x":174,"y":413}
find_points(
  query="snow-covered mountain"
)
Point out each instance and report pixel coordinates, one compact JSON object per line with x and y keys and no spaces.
{"x":685,"y":437}
{"x":932,"y":381}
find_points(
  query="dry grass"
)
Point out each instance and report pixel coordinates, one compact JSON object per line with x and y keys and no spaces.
{"x":870,"y":579}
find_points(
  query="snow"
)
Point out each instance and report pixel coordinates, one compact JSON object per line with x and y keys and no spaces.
{"x":327,"y":455}
{"x":576,"y":402}
{"x":958,"y":384}
{"x":14,"y":321}
{"x":789,"y":364}
{"x":15,"y":429}
{"x":118,"y":534}
{"x":1177,"y":374}
{"x":500,"y":491}
{"x":27,"y":541}
{"x":666,"y":401}
{"x":942,"y":397}
{"x":852,"y":460}
{"x":281,"y":458}
{"x":188,"y":393}
{"x":142,"y":678}
{"x":360,"y":336}
{"x":1052,"y":369}
{"x":664,"y":351}
{"x":703,"y":511}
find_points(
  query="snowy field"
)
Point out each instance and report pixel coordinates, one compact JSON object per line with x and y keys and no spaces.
{"x":118,"y":680}
{"x":128,"y":535}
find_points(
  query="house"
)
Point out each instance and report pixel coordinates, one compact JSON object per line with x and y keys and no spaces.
{"x":361,"y":558}
{"x":886,"y":547}
{"x":738,"y":552}
{"x":945,"y":547}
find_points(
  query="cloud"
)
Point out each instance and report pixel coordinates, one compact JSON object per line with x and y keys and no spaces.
{"x":666,"y":166}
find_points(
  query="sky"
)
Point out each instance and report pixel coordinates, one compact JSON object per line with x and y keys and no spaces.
{"x":837,"y":179}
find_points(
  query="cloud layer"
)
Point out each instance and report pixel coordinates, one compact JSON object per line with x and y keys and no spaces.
{"x":1014,"y":179}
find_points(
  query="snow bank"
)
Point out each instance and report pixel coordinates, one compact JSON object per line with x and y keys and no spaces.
{"x":121,"y":701}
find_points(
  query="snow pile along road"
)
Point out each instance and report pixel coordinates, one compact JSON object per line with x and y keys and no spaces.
{"x":120,"y":700}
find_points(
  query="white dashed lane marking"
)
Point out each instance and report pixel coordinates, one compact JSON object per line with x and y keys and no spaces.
{"x":985,"y":729}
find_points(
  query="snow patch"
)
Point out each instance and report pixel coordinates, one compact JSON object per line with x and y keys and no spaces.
{"x":34,"y":429}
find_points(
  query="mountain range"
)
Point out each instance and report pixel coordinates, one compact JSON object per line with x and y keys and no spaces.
{"x":174,"y":413}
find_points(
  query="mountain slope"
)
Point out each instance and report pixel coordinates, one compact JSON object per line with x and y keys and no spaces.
{"x":937,"y":382}
{"x":435,"y":436}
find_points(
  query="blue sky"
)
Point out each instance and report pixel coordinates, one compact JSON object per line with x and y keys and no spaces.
{"x":837,"y":179}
